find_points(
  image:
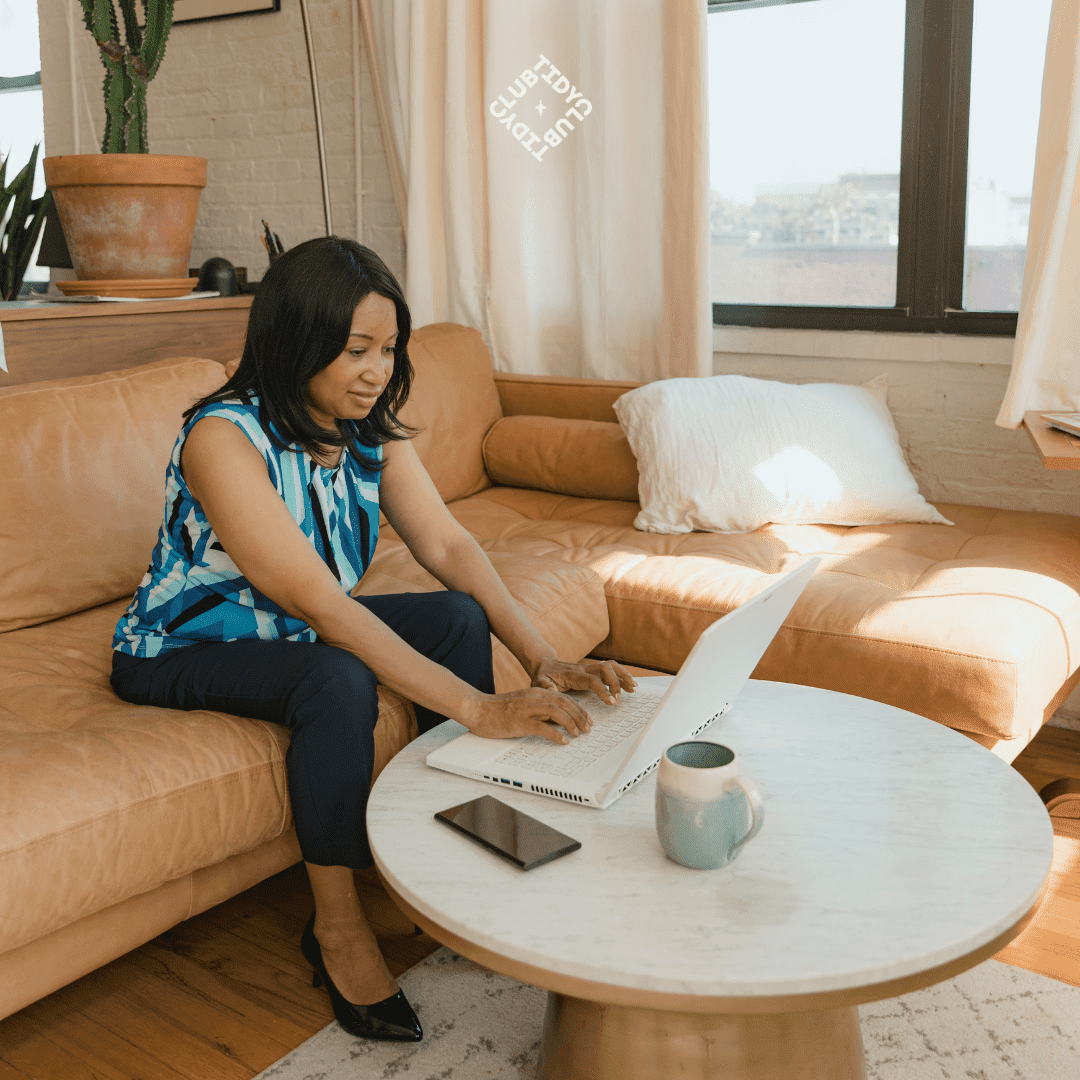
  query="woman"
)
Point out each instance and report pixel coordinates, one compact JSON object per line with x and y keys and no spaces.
{"x":273,"y":495}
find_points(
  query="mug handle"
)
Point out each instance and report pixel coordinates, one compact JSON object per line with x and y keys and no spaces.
{"x":757,"y":810}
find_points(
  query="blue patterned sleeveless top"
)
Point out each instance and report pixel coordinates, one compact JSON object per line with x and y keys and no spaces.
{"x":192,"y":591}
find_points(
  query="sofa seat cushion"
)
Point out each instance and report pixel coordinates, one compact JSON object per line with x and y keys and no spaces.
{"x":101,"y":800}
{"x":976,"y":625}
{"x":564,"y":600}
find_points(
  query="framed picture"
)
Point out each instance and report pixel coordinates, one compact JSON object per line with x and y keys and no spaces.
{"x":198,"y":10}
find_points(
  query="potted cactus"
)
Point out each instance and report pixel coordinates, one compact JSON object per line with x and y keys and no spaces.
{"x":128,"y":215}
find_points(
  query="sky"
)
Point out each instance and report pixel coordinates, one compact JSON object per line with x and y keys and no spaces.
{"x":22,"y":120}
{"x":19,"y":54}
{"x":800,"y":93}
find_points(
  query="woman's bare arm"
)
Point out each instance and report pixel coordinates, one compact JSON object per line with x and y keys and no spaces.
{"x":255,"y":527}
{"x":446,"y":550}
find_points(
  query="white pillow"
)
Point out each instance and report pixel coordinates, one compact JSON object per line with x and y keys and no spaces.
{"x":729,"y":454}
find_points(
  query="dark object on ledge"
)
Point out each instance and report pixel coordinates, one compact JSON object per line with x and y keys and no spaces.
{"x":218,"y":275}
{"x":241,"y":277}
{"x":54,"y":250}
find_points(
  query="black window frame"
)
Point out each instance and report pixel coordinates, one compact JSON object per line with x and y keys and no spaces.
{"x":933,"y":192}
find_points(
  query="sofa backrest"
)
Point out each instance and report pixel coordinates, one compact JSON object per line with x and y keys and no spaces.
{"x":82,"y":483}
{"x":561,"y":396}
{"x":454,"y":402}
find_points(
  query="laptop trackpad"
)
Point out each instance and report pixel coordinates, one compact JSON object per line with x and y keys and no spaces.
{"x":472,"y":751}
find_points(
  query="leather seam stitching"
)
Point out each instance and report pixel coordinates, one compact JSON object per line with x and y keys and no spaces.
{"x":231,"y":778}
{"x":835,"y":633}
{"x":120,"y":376}
{"x":561,"y":599}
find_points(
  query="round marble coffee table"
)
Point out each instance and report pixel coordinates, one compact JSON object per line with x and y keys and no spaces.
{"x":895,"y":853}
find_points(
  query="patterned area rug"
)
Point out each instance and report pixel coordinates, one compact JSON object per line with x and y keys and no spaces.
{"x":994,"y":1022}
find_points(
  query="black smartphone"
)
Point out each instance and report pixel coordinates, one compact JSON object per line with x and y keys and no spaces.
{"x":523,"y":840}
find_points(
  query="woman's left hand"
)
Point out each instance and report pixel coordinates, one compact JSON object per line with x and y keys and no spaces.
{"x":604,"y":678}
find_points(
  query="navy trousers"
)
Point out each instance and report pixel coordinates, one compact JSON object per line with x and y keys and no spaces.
{"x":325,"y":696}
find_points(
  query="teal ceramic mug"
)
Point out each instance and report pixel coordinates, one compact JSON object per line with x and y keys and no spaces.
{"x":706,"y":810}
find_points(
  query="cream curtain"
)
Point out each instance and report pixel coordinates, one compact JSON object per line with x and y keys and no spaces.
{"x":550,"y":168}
{"x":1046,"y":360}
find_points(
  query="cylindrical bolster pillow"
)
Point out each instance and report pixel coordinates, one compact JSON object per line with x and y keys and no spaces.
{"x":587,"y":458}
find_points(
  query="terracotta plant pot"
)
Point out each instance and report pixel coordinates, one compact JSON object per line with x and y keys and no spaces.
{"x":127,"y":215}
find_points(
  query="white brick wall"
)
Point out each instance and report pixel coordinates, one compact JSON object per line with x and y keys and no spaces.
{"x":236,"y":91}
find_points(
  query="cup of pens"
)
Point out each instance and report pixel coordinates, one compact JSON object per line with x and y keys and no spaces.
{"x":272,"y":242}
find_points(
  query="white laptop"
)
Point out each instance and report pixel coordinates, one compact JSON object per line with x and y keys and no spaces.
{"x":628,"y":739}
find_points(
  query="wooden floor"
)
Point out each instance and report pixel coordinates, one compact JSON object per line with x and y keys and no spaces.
{"x":1051,"y":943}
{"x":224,"y":995}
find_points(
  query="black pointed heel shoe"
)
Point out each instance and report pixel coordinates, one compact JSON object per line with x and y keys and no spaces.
{"x":391,"y":1020}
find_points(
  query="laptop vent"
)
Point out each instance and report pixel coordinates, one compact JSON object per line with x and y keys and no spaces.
{"x":641,"y":775}
{"x":697,"y":731}
{"x":715,"y":716}
{"x":557,"y":794}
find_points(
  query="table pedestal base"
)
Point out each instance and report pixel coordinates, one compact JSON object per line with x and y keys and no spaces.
{"x":586,"y":1040}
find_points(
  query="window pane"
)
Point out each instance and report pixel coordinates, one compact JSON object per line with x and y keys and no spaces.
{"x":22,"y":123}
{"x":805,"y":104}
{"x":1007,"y":54}
{"x":19,"y":52}
{"x":22,"y":119}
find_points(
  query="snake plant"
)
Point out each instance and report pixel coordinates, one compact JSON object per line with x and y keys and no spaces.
{"x":130,"y":64}
{"x":20,"y":234}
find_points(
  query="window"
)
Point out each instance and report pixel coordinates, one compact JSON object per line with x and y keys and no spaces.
{"x":871,"y":163}
{"x":22,"y":118}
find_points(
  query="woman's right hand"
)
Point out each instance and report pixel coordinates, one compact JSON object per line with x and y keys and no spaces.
{"x":534,"y":711}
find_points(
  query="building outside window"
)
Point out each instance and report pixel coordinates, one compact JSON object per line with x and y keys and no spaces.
{"x":848,"y":139}
{"x":22,"y":117}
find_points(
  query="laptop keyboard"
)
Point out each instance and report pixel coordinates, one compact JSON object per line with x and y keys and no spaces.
{"x":612,"y":724}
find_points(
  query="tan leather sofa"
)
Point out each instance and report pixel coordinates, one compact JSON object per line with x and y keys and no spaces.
{"x":117,"y":822}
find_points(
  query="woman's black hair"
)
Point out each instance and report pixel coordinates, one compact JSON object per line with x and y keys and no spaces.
{"x":299,"y":324}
